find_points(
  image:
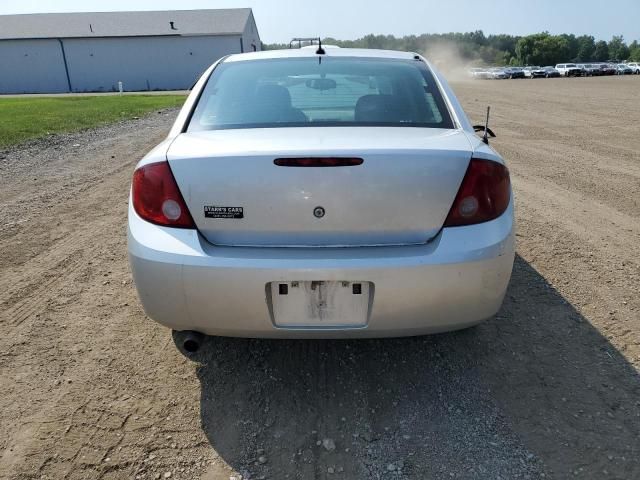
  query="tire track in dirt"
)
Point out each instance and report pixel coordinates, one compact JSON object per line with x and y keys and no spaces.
{"x":575,"y":168}
{"x":60,"y":278}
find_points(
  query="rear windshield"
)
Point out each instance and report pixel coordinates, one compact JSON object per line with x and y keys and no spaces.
{"x":320,"y":91}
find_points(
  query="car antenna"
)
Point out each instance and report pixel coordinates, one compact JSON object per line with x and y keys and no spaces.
{"x":485,"y":137}
{"x":320,"y":50}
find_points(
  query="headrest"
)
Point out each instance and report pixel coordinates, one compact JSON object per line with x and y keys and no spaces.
{"x":377,"y":108}
{"x":273,"y":95}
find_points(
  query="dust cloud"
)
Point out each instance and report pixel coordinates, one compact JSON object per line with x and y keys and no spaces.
{"x":446,"y":57}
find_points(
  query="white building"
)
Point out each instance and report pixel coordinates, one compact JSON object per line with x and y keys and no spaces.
{"x":92,"y":52}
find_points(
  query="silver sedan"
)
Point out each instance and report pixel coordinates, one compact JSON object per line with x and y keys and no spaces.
{"x":321,"y":193}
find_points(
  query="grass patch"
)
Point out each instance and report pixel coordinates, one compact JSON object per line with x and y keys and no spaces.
{"x":26,"y":118}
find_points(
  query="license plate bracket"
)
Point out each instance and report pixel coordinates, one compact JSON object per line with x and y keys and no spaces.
{"x":320,"y":304}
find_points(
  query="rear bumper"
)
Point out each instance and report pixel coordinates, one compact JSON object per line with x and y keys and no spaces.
{"x":455,"y":281}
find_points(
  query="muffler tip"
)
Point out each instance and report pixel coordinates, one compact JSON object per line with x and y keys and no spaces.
{"x":191,"y":346}
{"x":192,"y":341}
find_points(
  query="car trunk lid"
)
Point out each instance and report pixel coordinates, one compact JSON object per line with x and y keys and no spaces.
{"x":400,"y":193}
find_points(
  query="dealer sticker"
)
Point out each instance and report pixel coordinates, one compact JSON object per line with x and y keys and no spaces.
{"x":223,"y":212}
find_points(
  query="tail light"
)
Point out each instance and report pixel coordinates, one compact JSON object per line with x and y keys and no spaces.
{"x":484,"y":194}
{"x":156,"y":197}
{"x":318,"y":162}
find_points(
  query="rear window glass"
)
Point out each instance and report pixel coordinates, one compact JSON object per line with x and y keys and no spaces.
{"x":320,"y":92}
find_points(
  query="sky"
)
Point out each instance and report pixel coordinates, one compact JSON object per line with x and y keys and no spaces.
{"x":281,"y":20}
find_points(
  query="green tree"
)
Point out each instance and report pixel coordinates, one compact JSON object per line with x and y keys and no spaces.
{"x":586,"y":48}
{"x":501,"y":58}
{"x":573,"y":46}
{"x":601,"y":52}
{"x":542,"y":49}
{"x":526,"y":48}
{"x":634,"y":51}
{"x":505,"y":43}
{"x":618,"y":50}
{"x":477,"y":37}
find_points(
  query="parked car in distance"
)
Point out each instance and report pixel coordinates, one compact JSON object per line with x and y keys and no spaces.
{"x":589,"y":70}
{"x":635,"y":66}
{"x":608,"y":69}
{"x":569,"y":70}
{"x":515,"y":72}
{"x":275,"y":210}
{"x":624,"y":69}
{"x":499,"y":73}
{"x":479,"y":73}
{"x":550,"y":72}
{"x":534,"y":72}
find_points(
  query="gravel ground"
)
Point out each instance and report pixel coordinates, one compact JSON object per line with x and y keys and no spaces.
{"x":549,"y":388}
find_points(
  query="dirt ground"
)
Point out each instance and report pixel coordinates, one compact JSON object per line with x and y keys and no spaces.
{"x":549,"y":388}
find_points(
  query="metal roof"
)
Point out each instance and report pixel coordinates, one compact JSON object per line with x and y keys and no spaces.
{"x":125,"y":24}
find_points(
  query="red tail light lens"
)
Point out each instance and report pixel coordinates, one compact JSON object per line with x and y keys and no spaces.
{"x":156,"y":197}
{"x":484,"y":194}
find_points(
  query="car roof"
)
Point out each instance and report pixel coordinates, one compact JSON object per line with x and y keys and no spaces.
{"x":329,"y":52}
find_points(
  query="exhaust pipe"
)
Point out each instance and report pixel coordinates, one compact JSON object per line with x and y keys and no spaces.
{"x":192,"y":341}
